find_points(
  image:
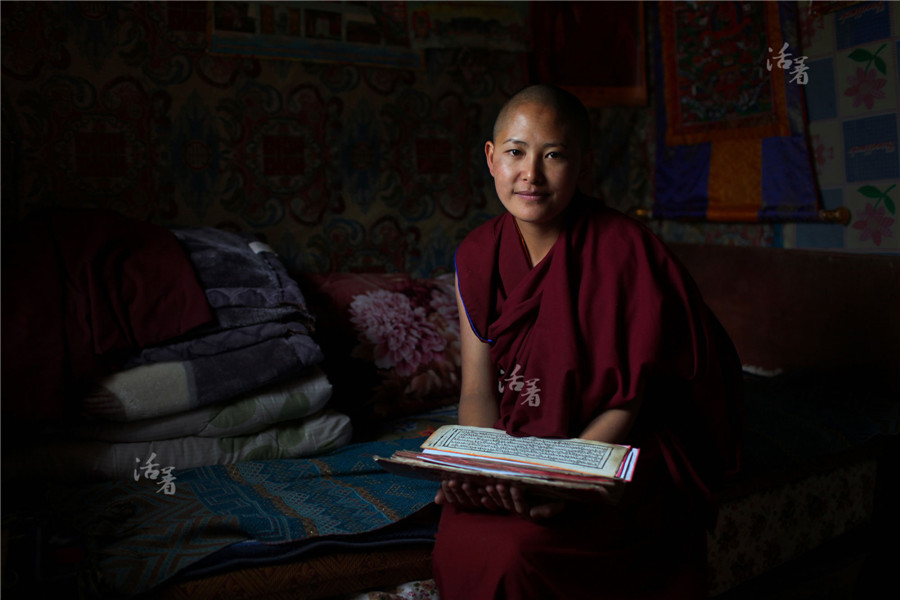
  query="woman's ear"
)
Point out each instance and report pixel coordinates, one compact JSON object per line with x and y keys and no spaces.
{"x":489,"y":155}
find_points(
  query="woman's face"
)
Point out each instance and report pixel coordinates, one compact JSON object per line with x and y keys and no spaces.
{"x":536,"y":163}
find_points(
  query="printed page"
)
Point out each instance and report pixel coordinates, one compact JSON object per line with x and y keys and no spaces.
{"x":580,"y":456}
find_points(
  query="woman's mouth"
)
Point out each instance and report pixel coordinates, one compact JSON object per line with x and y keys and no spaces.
{"x":530,"y":195}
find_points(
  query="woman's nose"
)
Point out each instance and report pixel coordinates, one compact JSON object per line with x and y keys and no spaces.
{"x":533,"y":171}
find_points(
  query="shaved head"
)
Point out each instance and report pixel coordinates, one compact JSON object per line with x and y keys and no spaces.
{"x":566,"y":105}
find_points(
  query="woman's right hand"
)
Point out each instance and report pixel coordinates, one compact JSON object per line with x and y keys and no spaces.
{"x":464,"y":495}
{"x":496,"y":497}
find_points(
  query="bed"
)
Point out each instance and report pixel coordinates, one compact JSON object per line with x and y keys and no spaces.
{"x":230,"y":453}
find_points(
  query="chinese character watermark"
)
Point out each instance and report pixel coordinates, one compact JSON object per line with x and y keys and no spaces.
{"x":532,"y":393}
{"x":527,"y":388}
{"x":784,"y":61}
{"x":150,"y":470}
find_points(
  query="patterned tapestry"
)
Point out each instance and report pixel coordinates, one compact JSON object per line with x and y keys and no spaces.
{"x":731,"y":139}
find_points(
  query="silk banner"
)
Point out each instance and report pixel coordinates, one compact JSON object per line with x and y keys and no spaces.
{"x":731,"y":128}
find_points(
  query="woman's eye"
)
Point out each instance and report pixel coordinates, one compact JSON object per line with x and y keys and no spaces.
{"x":514,"y":152}
{"x":554,"y":155}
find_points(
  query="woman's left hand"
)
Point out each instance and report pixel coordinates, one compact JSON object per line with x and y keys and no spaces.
{"x":513,"y":499}
{"x":496,"y":497}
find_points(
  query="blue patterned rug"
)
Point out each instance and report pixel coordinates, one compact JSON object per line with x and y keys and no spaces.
{"x":135,"y":536}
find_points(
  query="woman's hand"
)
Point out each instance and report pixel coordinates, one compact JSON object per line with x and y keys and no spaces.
{"x":513,"y":499}
{"x":496,"y":497}
{"x":460,"y":494}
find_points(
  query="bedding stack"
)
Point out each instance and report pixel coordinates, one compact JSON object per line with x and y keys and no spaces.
{"x":245,"y":385}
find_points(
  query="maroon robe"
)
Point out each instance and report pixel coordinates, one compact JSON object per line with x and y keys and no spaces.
{"x":606,"y":315}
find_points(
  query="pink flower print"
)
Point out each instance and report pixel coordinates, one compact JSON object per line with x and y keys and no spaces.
{"x":874,"y":224}
{"x":822,"y":153}
{"x":809,"y":26}
{"x":865,"y":87}
{"x":443,"y":303}
{"x":401,"y":335}
{"x":445,"y":318}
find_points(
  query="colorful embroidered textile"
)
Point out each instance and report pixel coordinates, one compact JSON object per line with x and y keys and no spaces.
{"x":731,"y":132}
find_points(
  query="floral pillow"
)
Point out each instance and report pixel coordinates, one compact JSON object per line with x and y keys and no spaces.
{"x":391,"y":342}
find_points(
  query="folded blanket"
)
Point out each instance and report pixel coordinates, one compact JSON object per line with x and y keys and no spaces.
{"x":81,"y":290}
{"x":243,"y":278}
{"x":259,"y":337}
{"x":93,"y":460}
{"x":166,"y":388}
{"x":216,"y":342}
{"x":295,"y":399}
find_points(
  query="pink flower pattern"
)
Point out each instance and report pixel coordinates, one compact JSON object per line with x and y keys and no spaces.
{"x":413,"y":590}
{"x":810,"y":26}
{"x":865,"y":87}
{"x":443,"y":302}
{"x":822,"y":152}
{"x":401,"y":335}
{"x":874,"y":224}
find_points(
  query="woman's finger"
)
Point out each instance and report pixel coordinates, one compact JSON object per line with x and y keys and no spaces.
{"x":546,"y":510}
{"x":520,"y":504}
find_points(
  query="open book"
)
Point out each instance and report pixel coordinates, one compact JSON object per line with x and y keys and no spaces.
{"x":566,"y":468}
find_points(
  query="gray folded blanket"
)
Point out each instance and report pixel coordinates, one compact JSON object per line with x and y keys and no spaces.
{"x":259,"y":336}
{"x":244,"y":280}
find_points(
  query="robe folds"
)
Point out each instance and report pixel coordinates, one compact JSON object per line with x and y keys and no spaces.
{"x":609,"y":315}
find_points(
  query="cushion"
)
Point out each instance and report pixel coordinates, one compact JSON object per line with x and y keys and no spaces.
{"x":391,"y":342}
